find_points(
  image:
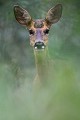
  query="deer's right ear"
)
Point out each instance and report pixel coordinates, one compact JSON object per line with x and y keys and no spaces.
{"x":54,"y":14}
{"x":22,"y":16}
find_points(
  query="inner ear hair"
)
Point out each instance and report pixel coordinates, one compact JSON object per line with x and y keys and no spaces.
{"x":22,"y":16}
{"x":54,"y":14}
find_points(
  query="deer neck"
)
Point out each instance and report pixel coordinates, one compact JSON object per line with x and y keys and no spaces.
{"x":42,"y":63}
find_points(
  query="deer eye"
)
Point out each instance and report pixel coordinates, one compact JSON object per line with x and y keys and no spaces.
{"x":46,"y":31}
{"x":31,"y":32}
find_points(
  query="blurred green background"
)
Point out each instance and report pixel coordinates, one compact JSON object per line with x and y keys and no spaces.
{"x":61,"y":100}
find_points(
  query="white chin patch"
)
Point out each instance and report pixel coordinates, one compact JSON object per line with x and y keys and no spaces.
{"x":35,"y":47}
{"x":42,"y":47}
{"x":39,"y":48}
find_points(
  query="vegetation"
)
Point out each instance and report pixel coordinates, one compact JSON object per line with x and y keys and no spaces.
{"x":61,"y":100}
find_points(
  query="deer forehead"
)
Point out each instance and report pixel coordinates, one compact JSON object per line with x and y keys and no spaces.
{"x":38,"y":24}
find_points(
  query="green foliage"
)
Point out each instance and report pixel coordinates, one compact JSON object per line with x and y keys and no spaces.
{"x":61,"y":99}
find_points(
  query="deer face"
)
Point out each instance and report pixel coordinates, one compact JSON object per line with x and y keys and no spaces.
{"x":38,"y":29}
{"x":38,"y":33}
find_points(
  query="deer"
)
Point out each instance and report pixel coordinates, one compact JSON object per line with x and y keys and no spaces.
{"x":38,"y":32}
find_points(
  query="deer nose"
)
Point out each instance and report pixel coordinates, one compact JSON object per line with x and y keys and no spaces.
{"x":39,"y":45}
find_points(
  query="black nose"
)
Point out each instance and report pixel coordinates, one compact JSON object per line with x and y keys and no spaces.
{"x":39,"y":45}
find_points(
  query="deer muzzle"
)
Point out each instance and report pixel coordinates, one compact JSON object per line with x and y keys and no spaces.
{"x":39,"y":45}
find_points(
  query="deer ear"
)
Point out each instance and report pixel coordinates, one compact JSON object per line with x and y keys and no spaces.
{"x":54,"y":14}
{"x":22,"y":16}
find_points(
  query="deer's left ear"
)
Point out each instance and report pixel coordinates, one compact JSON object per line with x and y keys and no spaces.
{"x":22,"y":16}
{"x":54,"y":14}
